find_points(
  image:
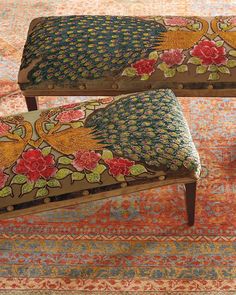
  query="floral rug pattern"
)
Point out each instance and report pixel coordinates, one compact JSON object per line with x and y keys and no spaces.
{"x":136,"y":243}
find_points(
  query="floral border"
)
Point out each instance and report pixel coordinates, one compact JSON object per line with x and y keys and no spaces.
{"x":208,"y":56}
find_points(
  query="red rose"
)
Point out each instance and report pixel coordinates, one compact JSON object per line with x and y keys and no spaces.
{"x":34,"y":165}
{"x":3,"y":179}
{"x":86,"y":160}
{"x":209,"y":53}
{"x":144,"y":66}
{"x":119,"y":166}
{"x":172,"y":57}
{"x":4,"y":128}
{"x":70,"y":116}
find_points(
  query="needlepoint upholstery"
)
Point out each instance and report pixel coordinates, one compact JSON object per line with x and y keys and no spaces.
{"x":129,"y":54}
{"x":94,"y":144}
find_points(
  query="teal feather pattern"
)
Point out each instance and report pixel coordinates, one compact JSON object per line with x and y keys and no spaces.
{"x":87,"y":47}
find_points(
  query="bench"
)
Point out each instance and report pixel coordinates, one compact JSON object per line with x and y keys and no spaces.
{"x":93,"y":150}
{"x":112,"y":55}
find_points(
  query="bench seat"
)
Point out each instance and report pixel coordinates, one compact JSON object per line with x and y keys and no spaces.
{"x":83,"y":151}
{"x":110,"y":55}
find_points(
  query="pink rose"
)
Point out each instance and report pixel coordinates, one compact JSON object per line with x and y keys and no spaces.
{"x":232,"y":20}
{"x":86,"y":160}
{"x":176,"y":21}
{"x":70,"y":116}
{"x":106,"y":99}
{"x":3,"y":179}
{"x":70,"y":106}
{"x":172,"y":57}
{"x":209,"y":53}
{"x":4,"y":128}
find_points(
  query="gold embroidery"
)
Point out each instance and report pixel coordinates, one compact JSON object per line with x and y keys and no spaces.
{"x":229,"y":37}
{"x":182,"y":39}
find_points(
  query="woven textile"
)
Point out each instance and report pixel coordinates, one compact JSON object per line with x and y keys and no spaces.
{"x":135,"y":243}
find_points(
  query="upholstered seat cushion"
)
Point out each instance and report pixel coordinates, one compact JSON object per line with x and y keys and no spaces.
{"x":110,"y":54}
{"x":129,"y":139}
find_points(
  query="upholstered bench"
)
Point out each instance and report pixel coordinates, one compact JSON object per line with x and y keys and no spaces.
{"x":92,"y":150}
{"x":110,"y":55}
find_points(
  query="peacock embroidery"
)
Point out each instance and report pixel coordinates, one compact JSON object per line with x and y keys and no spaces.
{"x":74,"y":48}
{"x":126,"y":137}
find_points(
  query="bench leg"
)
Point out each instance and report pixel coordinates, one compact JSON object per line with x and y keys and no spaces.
{"x":190,"y":197}
{"x":31,"y":102}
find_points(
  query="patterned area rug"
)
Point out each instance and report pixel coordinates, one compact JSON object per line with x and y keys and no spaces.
{"x":132,"y":244}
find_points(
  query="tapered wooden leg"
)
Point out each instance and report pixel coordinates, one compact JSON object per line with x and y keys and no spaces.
{"x":190,"y":197}
{"x":31,"y":102}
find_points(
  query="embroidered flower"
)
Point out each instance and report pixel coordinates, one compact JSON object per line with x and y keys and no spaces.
{"x":144,"y":66}
{"x":172,"y":57}
{"x":106,"y":99}
{"x":34,"y":165}
{"x":119,"y":166}
{"x":176,"y":21}
{"x":232,"y":20}
{"x":4,"y":128}
{"x":70,"y":106}
{"x":70,"y":116}
{"x":209,"y":53}
{"x":86,"y":160}
{"x":3,"y":179}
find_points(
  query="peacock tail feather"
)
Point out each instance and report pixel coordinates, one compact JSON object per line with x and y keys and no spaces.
{"x":87,"y":47}
{"x":146,"y":127}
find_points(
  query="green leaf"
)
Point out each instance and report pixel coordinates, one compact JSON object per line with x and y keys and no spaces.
{"x":223,"y":26}
{"x":99,"y":169}
{"x":201,"y":69}
{"x":137,"y":169}
{"x":53,"y":183}
{"x":64,"y":160}
{"x":106,"y":154}
{"x":78,"y":124}
{"x":232,"y":53}
{"x":6,"y":191}
{"x":19,"y":179}
{"x":77,"y":176}
{"x":219,"y":43}
{"x":130,"y":72}
{"x":90,"y":107}
{"x":120,"y":178}
{"x":62,"y":173}
{"x":194,"y":60}
{"x":93,"y":177}
{"x":196,"y":26}
{"x":49,"y":126}
{"x":214,"y":76}
{"x":163,"y":66}
{"x":153,"y":55}
{"x":42,"y":192}
{"x":224,"y":70}
{"x":27,"y":187}
{"x":46,"y":150}
{"x":175,"y":28}
{"x":182,"y":68}
{"x":40,"y":183}
{"x":212,"y":68}
{"x":95,"y":104}
{"x":231,"y":63}
{"x":18,"y":131}
{"x":169,"y":73}
{"x":145,"y":77}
